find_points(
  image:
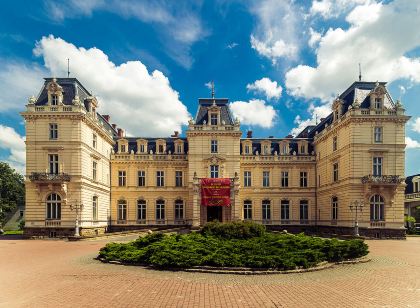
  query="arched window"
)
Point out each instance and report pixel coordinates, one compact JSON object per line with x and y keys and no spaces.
{"x":53,"y":206}
{"x":266,"y":209}
{"x":377,"y":207}
{"x":247,"y":209}
{"x":122,"y":210}
{"x":160,"y":209}
{"x":334,"y":208}
{"x":285,"y":209}
{"x":179,"y":209}
{"x":141,"y":210}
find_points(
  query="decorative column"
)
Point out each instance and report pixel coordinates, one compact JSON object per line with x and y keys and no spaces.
{"x":196,"y":202}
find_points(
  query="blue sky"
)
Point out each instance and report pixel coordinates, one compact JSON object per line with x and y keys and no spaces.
{"x":279,"y":62}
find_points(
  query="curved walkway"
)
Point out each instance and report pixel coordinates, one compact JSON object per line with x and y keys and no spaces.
{"x":52,"y":273}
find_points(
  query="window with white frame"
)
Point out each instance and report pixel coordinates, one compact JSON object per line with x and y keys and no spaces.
{"x":378,"y":134}
{"x":122,"y":210}
{"x":95,"y":208}
{"x":53,"y":131}
{"x":416,"y":186}
{"x":334,"y":208}
{"x":266,"y":149}
{"x":142,"y":148}
{"x":285,"y":209}
{"x":266,"y":179}
{"x":247,"y":179}
{"x":160,"y":149}
{"x":122,"y":177}
{"x":179,"y":209}
{"x":53,"y":207}
{"x":178,"y":178}
{"x":303,"y":179}
{"x":213,"y":146}
{"x":141,"y":174}
{"x":303,"y":210}
{"x":123,"y":148}
{"x":141,"y":210}
{"x":284,"y":179}
{"x":179,"y":148}
{"x":377,"y":205}
{"x":302,"y":149}
{"x":266,"y":210}
{"x":94,"y":169}
{"x":214,"y":171}
{"x":54,"y":100}
{"x":53,"y":163}
{"x":160,"y":178}
{"x":160,"y":210}
{"x":378,"y":103}
{"x":247,"y":149}
{"x":213,"y":119}
{"x":247,"y":209}
{"x":285,"y":149}
{"x":94,"y":141}
{"x":377,"y":166}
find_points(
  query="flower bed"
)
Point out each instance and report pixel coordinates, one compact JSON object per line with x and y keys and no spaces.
{"x":233,"y":245}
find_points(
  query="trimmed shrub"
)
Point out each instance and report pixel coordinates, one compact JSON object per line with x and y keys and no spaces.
{"x":236,"y":229}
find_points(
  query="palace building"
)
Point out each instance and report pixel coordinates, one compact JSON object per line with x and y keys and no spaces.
{"x":83,"y":171}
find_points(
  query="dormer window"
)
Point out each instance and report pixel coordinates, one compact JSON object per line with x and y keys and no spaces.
{"x":161,"y":148}
{"x":54,"y":100}
{"x":266,"y":150}
{"x":213,"y":119}
{"x":378,"y":103}
{"x":247,"y":149}
{"x":142,"y":150}
{"x":123,"y":148}
{"x":179,"y":149}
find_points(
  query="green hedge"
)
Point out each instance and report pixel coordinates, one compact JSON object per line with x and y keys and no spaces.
{"x":233,"y":249}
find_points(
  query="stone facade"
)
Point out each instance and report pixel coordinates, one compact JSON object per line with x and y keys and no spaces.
{"x":305,"y":183}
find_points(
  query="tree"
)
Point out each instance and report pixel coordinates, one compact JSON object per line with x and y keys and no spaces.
{"x":12,"y":190}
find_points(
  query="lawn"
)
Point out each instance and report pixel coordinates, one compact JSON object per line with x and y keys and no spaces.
{"x":238,"y":244}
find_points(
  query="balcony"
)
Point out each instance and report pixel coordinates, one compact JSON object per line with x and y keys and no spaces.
{"x":382,"y":179}
{"x":49,"y":177}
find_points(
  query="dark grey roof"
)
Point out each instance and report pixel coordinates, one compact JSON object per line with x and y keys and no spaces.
{"x":151,"y":144}
{"x":275,"y":146}
{"x":223,"y":103}
{"x":409,"y":189}
{"x":70,"y":86}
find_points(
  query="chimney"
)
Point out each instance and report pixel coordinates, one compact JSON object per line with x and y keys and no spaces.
{"x":176,"y":134}
{"x":106,"y":117}
{"x":249,"y":134}
{"x":289,"y":136}
{"x":114,"y":126}
{"x":322,"y":119}
{"x":120,"y":133}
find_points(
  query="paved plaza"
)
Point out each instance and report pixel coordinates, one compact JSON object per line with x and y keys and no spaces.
{"x":56,"y":273}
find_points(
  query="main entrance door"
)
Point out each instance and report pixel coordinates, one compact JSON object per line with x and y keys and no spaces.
{"x":214,"y":213}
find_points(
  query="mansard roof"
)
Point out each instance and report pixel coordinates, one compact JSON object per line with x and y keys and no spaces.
{"x":360,"y":91}
{"x":409,"y":188}
{"x":205,"y":103}
{"x":151,"y":143}
{"x":275,"y":144}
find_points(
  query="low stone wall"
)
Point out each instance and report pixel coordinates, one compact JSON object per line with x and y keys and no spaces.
{"x":50,"y":232}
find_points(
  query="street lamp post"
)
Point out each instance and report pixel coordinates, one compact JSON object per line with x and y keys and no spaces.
{"x":78,"y":208}
{"x":356,"y":206}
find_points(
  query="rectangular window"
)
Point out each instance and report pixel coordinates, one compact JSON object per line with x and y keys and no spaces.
{"x":303,"y":179}
{"x":247,"y":209}
{"x":94,"y":170}
{"x":141,"y":178}
{"x":303,"y":210}
{"x":416,"y":186}
{"x":178,"y":178}
{"x":179,"y":209}
{"x":285,"y":149}
{"x":122,"y":176}
{"x":335,"y":143}
{"x":179,"y":149}
{"x":266,"y":178}
{"x":54,"y":100}
{"x":160,"y":178}
{"x":302,"y":149}
{"x":285,"y":209}
{"x":378,"y":103}
{"x":377,"y":166}
{"x":123,"y":148}
{"x":247,"y":178}
{"x":53,"y":131}
{"x":141,"y":210}
{"x":378,"y":134}
{"x":160,"y":210}
{"x":214,"y":171}
{"x":95,"y":208}
{"x":142,"y":149}
{"x":284,"y":179}
{"x":247,"y":149}
{"x":94,"y":141}
{"x":334,"y":204}
{"x":267,"y":150}
{"x":160,"y":148}
{"x":53,"y":163}
{"x":213,"y":119}
{"x":213,"y":146}
{"x":335,"y":172}
{"x":266,"y":209}
{"x":122,"y":210}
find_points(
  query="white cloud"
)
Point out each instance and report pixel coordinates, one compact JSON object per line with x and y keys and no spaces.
{"x":178,"y":23}
{"x":11,"y":141}
{"x":314,"y":37}
{"x":380,"y":44}
{"x":416,"y":125}
{"x":276,"y":33}
{"x":254,"y":112}
{"x":143,"y":103}
{"x":333,"y":8}
{"x":232,"y":45}
{"x":411,"y":143}
{"x":267,"y":87}
{"x":317,"y":113}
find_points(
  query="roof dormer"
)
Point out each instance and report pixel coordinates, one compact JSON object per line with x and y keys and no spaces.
{"x":179,"y":146}
{"x":377,"y":97}
{"x":337,"y":108}
{"x":266,"y":147}
{"x":213,"y":114}
{"x":55,"y":93}
{"x":160,"y":146}
{"x":122,"y":145}
{"x":141,"y":146}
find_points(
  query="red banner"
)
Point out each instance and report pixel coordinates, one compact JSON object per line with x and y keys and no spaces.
{"x":215,"y":192}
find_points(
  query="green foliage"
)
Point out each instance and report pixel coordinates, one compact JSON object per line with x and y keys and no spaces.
{"x":231,"y":230}
{"x":215,"y":248}
{"x":12,"y":190}
{"x":21,"y":224}
{"x":409,"y":219}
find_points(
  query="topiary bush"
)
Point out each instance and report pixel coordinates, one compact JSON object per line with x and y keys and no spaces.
{"x":233,"y":246}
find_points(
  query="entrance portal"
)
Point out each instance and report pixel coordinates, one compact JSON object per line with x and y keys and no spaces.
{"x":214,"y":213}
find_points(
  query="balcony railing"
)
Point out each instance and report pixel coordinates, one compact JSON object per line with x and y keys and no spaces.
{"x":49,"y":177}
{"x":382,"y":179}
{"x":413,"y":196}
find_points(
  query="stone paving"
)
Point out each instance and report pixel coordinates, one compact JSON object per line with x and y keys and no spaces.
{"x":56,"y":273}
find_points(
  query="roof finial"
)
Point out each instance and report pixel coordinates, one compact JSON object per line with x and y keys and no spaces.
{"x":68,"y":67}
{"x":360,"y":72}
{"x":212,"y":89}
{"x":316,"y":119}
